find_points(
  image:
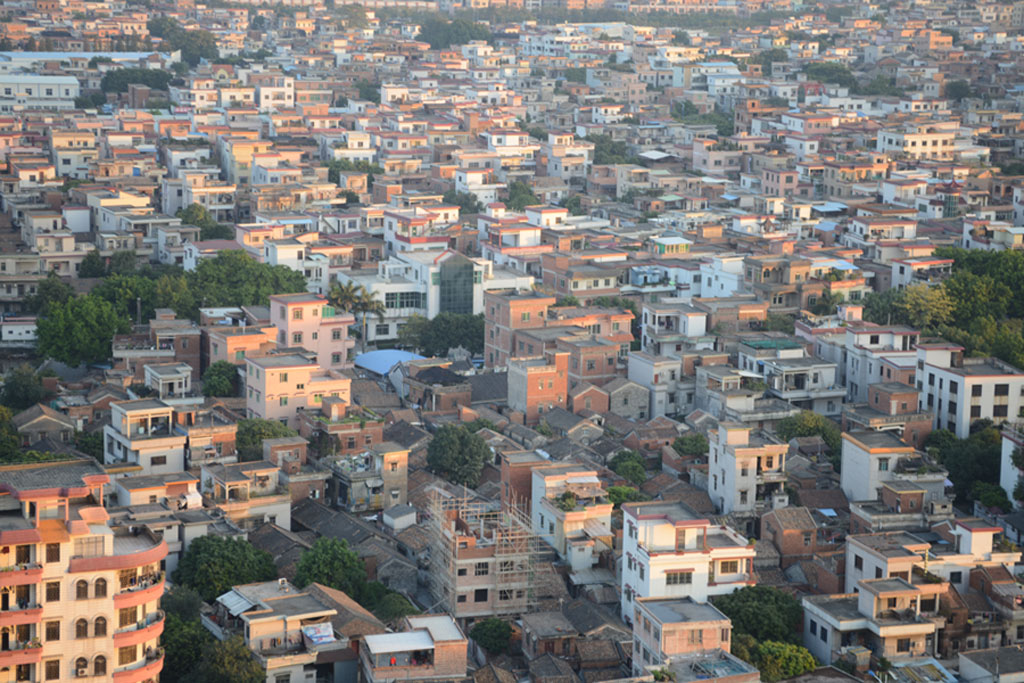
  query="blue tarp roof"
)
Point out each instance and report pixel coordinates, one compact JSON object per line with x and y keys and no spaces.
{"x":380,"y":362}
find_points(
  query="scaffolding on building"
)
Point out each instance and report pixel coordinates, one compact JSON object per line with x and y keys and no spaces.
{"x":466,"y":534}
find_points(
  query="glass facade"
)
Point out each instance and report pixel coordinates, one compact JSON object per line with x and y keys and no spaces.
{"x":456,"y":284}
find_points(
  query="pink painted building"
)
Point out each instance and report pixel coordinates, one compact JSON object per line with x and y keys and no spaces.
{"x":278,"y":385}
{"x":309,"y":322}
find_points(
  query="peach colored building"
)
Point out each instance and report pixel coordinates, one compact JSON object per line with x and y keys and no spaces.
{"x":233,"y":344}
{"x":79,"y":597}
{"x":536,"y":385}
{"x":308,"y":321}
{"x":278,"y":385}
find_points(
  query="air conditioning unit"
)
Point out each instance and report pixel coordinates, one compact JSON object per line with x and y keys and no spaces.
{"x":81,"y":673}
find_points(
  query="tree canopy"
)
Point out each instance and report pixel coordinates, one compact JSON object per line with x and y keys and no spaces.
{"x":230,"y":661}
{"x":251,"y":432}
{"x":971,"y":461}
{"x":492,"y":634}
{"x":209,"y":229}
{"x":195,"y":45}
{"x":118,"y":80}
{"x":79,"y":330}
{"x":434,"y":336}
{"x":458,"y":455}
{"x":22,"y":388}
{"x":330,"y":562}
{"x":630,"y":466}
{"x":442,"y":33}
{"x":213,"y":564}
{"x":220,"y":379}
{"x":807,"y":423}
{"x":764,"y":613}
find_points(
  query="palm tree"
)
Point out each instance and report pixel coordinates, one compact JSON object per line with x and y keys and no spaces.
{"x":367,"y":305}
{"x":344,"y":297}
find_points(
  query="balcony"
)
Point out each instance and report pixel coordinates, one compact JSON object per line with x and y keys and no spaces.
{"x":19,"y":616}
{"x":146,"y":589}
{"x":145,"y":630}
{"x":145,"y":669}
{"x":22,"y":653}
{"x":21,"y":574}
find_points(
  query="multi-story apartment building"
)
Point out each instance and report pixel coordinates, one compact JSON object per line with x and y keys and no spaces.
{"x":669,"y":628}
{"x":960,"y":391}
{"x":309,"y":322}
{"x":869,"y":459}
{"x":746,"y":470}
{"x":80,"y":594}
{"x":570,"y":511}
{"x":669,"y":325}
{"x":668,"y":551}
{"x":279,"y":385}
{"x":375,"y":479}
{"x":143,"y":432}
{"x":33,"y":91}
{"x":430,"y":647}
{"x":804,"y":382}
{"x":671,"y":390}
{"x":247,"y":493}
{"x":537,"y":385}
{"x":286,"y":629}
{"x":876,"y":354}
{"x":891,"y":407}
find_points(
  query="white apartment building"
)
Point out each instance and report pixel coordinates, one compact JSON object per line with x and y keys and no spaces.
{"x":666,"y":326}
{"x":142,"y":432}
{"x":428,"y":283}
{"x":721,"y":276}
{"x":924,"y":141}
{"x":668,"y":551}
{"x":876,"y":354}
{"x":960,"y":391}
{"x":791,"y":375}
{"x":570,"y":511}
{"x":870,"y":458}
{"x":746,"y":470}
{"x":32,"y":91}
{"x":672,"y":393}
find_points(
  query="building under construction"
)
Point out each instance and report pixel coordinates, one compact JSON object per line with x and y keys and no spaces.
{"x":483,"y":561}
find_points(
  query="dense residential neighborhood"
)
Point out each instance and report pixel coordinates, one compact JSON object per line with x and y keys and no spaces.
{"x":546,"y":341}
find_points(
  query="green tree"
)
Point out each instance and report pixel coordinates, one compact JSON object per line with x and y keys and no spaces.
{"x":393,"y":607}
{"x":969,"y":461}
{"x":412,"y":333}
{"x":220,"y":379}
{"x":127,"y":294}
{"x":449,"y":330}
{"x":230,"y":661}
{"x":124,"y":262}
{"x":182,"y":602}
{"x":575,"y":205}
{"x":345,"y":296}
{"x":807,"y":423}
{"x":367,"y":306}
{"x":778,"y":322}
{"x":184,"y":640}
{"x":831,"y":72}
{"x":79,"y":331}
{"x":118,"y":80}
{"x":991,"y":496}
{"x":368,"y":90}
{"x":172,"y":291}
{"x":209,"y":229}
{"x":213,"y":564}
{"x":631,"y":471}
{"x":195,"y":46}
{"x":92,"y":265}
{"x":466,"y":201}
{"x":568,"y":300}
{"x":492,"y":634}
{"x":575,"y":74}
{"x":693,"y":445}
{"x":768,"y":57}
{"x":763,"y":612}
{"x":778,"y":661}
{"x":458,"y":455}
{"x":926,"y":307}
{"x":521,"y":196}
{"x":90,"y":443}
{"x":252,"y":432}
{"x":22,"y":388}
{"x":617,"y":495}
{"x":233,"y":278}
{"x":52,"y":290}
{"x":958,"y":90}
{"x":441,"y":33}
{"x":330,"y":562}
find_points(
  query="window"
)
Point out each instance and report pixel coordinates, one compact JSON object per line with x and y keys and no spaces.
{"x":335,"y":358}
{"x":814,"y":627}
{"x":100,"y":588}
{"x":999,"y":411}
{"x":976,"y":390}
{"x":504,"y":595}
{"x":482,"y":569}
{"x":956,"y":577}
{"x":461,"y":598}
{"x":297,"y":314}
{"x":878,"y":572}
{"x":903,"y":645}
{"x":81,"y":589}
{"x":296,"y":337}
{"x":975,"y":411}
{"x":126,"y":655}
{"x":53,"y":552}
{"x":729,"y":567}
{"x":158,"y":460}
{"x":1002,"y":390}
{"x":640,"y":568}
{"x":382,"y":329}
{"x":480,"y":595}
{"x":52,"y":669}
{"x":283,"y":678}
{"x":52,"y":630}
{"x":283,"y":401}
{"x":807,"y":540}
{"x":99,"y":627}
{"x":127,"y":616}
{"x":883,"y":464}
{"x":858,"y":562}
{"x":53,"y":591}
{"x":525,"y":316}
{"x":81,"y":629}
{"x":678,"y":578}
